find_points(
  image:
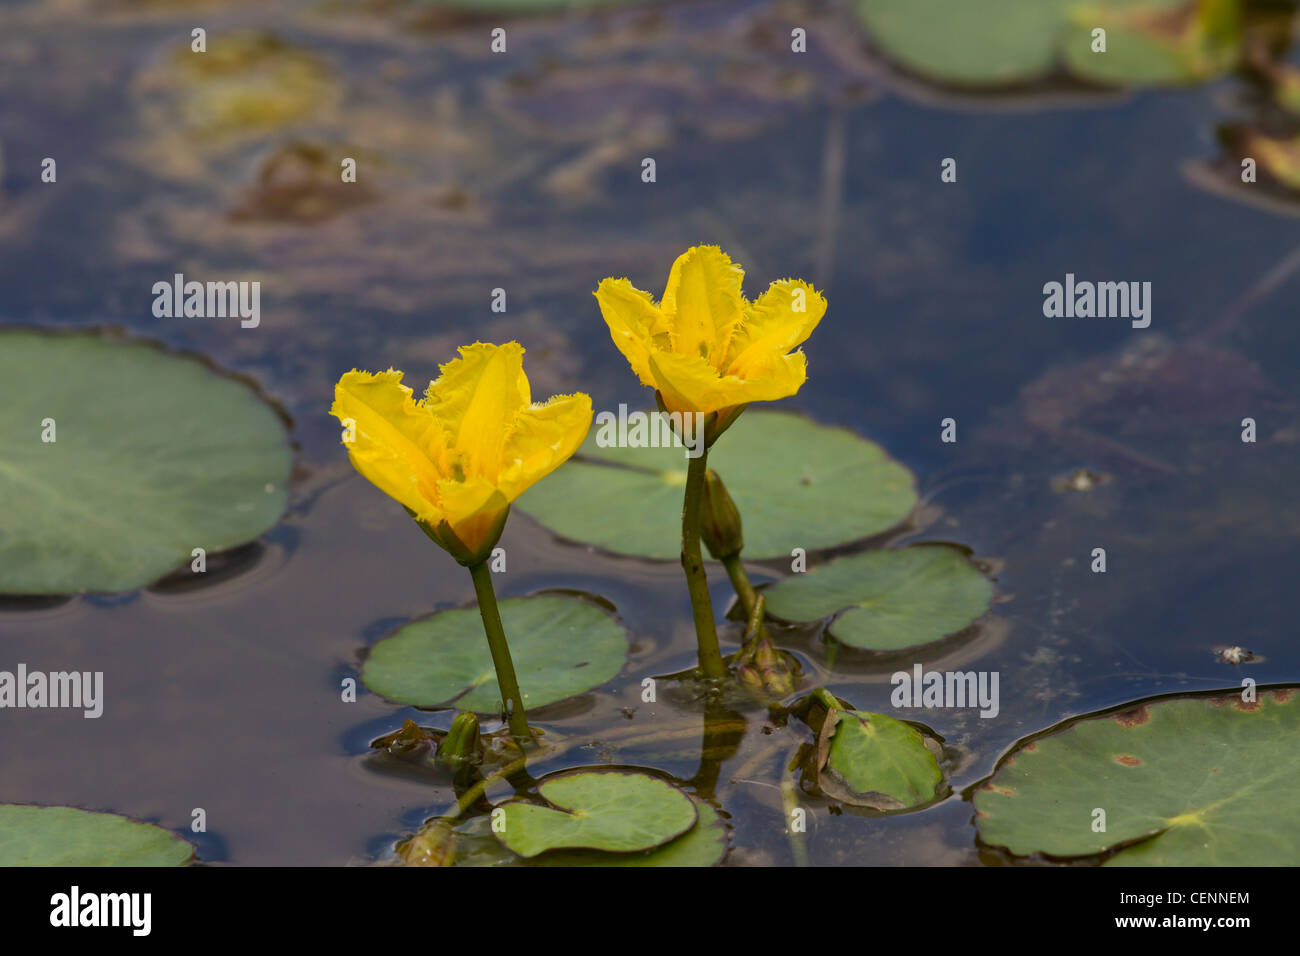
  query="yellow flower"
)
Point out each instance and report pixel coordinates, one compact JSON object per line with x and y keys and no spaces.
{"x":475,"y":443}
{"x":705,"y":348}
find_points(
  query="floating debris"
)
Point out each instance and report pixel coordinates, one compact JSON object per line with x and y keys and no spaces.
{"x":301,"y":182}
{"x":1081,"y":479}
{"x":1235,"y":655}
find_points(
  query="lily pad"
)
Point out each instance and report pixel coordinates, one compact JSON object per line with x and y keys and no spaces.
{"x":66,"y":836}
{"x":895,"y":599}
{"x":560,"y":645}
{"x":872,"y":760}
{"x":705,"y":844}
{"x":797,"y":484}
{"x":874,"y":753}
{"x":612,"y":811}
{"x":1007,"y":42}
{"x":153,"y":455}
{"x":1192,"y":781}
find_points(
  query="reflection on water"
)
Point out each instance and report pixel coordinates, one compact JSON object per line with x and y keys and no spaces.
{"x":522,"y":172}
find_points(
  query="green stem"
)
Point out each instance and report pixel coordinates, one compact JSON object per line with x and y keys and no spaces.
{"x":697,"y":582}
{"x":751,"y":601}
{"x":471,"y":796}
{"x":740,"y":582}
{"x":505,"y":667}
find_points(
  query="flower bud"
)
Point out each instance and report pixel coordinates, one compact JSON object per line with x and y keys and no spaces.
{"x":720,"y":527}
{"x":749,"y":676}
{"x":459,"y":749}
{"x":779,"y":672}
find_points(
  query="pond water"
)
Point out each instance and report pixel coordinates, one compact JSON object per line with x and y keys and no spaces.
{"x":522,"y":172}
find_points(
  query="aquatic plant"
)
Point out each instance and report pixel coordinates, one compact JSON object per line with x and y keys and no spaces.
{"x":708,"y":352}
{"x":457,"y":459}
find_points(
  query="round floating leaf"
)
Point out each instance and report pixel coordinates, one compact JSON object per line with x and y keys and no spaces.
{"x":613,"y":811}
{"x":797,"y":484}
{"x":895,"y":599}
{"x":867,"y":759}
{"x":152,"y":455}
{"x":705,"y":844}
{"x":1005,"y":42}
{"x":561,"y":646}
{"x":952,"y":41}
{"x":1199,"y":781}
{"x":66,"y":836}
{"x":1152,"y":42}
{"x":876,"y":754}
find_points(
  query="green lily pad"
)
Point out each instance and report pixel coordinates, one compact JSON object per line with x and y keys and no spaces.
{"x":153,"y":455}
{"x":66,"y":836}
{"x":797,"y":484}
{"x":705,"y":844}
{"x":1193,"y":781}
{"x":560,"y":645}
{"x":872,"y":760}
{"x":609,"y":810}
{"x":874,"y":753}
{"x":895,"y":599}
{"x":1005,"y":42}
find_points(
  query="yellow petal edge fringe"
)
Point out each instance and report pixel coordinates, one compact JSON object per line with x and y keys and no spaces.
{"x":704,"y":347}
{"x":475,"y":443}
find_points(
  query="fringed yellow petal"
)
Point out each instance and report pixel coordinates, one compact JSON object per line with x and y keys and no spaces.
{"x":393,"y":438}
{"x":779,"y":320}
{"x":634,"y":322}
{"x":688,"y":383}
{"x":703,"y":302}
{"x":545,"y":436}
{"x":706,"y":348}
{"x":477,"y":398}
{"x":393,"y":476}
{"x":459,"y":458}
{"x":782,"y":377}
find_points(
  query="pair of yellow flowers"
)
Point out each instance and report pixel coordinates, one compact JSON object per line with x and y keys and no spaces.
{"x":457,"y":459}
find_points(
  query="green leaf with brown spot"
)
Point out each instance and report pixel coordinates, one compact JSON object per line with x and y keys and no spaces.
{"x":1190,"y":781}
